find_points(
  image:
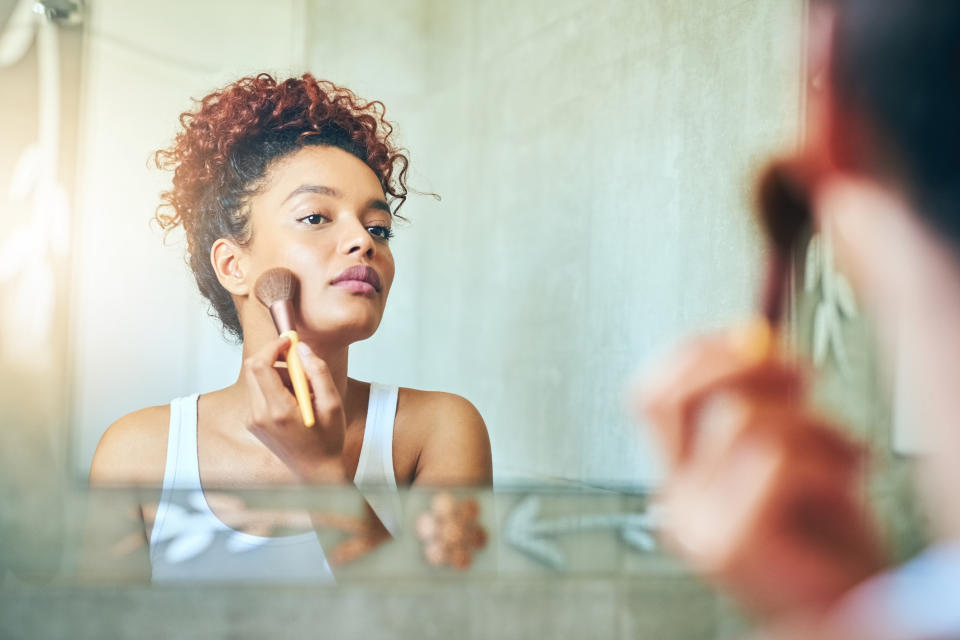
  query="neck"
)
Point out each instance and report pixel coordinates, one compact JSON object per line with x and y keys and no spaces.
{"x":911,"y":281}
{"x":921,"y":331}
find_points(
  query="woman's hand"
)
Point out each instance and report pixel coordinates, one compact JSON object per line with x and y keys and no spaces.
{"x":761,"y":492}
{"x":313,"y":454}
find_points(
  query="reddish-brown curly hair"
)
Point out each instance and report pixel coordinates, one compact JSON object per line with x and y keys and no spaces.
{"x":228,"y":143}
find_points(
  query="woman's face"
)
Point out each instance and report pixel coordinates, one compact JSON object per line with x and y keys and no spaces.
{"x":322,"y":214}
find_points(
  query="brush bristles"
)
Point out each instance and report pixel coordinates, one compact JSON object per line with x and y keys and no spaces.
{"x":275,"y":285}
{"x":783,"y":203}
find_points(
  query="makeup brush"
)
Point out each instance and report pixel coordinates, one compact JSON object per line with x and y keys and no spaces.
{"x":783,"y":206}
{"x":277,"y":289}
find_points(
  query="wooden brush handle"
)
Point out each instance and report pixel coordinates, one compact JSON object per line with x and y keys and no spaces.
{"x":299,"y":379}
{"x":757,"y":339}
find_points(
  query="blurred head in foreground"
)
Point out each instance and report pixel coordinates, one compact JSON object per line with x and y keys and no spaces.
{"x":887,"y":142}
{"x":764,"y":494}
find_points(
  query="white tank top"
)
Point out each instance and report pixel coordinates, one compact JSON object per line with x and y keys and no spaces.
{"x":190,"y":543}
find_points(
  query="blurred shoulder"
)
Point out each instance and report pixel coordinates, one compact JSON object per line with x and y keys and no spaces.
{"x":133,"y":449}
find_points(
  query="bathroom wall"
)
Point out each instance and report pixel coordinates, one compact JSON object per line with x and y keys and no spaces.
{"x":140,"y":331}
{"x":593,"y":163}
{"x":592,"y":167}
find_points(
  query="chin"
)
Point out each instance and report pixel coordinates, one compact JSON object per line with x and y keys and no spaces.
{"x":345,"y":330}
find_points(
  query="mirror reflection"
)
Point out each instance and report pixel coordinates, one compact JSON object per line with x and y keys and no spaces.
{"x":300,"y":293}
{"x":574,"y":194}
{"x":586,"y":181}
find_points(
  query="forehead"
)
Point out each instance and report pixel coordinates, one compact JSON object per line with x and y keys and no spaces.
{"x":321,"y":165}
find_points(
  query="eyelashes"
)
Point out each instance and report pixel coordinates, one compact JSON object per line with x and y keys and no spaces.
{"x":381,"y":232}
{"x":314,"y":219}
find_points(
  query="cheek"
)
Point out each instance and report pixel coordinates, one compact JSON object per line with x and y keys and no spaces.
{"x":309,"y":265}
{"x":270,"y":249}
{"x":862,"y":229}
{"x":307,"y":260}
{"x":837,"y":217}
{"x":846,"y":254}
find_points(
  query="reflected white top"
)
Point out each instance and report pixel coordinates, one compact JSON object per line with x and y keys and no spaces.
{"x":190,"y":543}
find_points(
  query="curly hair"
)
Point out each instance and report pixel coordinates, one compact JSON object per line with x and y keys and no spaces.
{"x":227,"y":144}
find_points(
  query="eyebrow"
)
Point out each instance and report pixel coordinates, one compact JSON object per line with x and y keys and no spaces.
{"x":373,"y":203}
{"x":314,"y":188}
{"x":377,"y":203}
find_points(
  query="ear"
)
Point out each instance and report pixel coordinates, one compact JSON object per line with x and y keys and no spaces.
{"x":229,"y":261}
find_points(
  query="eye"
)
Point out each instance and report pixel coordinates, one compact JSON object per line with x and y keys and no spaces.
{"x":381,"y":231}
{"x":314,"y":219}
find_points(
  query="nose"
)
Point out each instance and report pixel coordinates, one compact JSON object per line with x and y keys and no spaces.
{"x":356,"y":239}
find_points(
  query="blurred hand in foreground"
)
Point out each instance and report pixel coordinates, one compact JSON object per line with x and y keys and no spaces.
{"x":762,"y":493}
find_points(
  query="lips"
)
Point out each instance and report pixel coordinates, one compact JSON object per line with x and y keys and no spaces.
{"x":358,"y":277}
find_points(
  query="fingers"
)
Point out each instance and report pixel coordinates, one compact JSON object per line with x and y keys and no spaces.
{"x":373,"y":535}
{"x":673,"y":399}
{"x":327,"y":404}
{"x":352,"y":549}
{"x":271,"y":402}
{"x":773,"y":501}
{"x":326,"y":397}
{"x":713,"y":361}
{"x":727,"y":422}
{"x":757,"y":497}
{"x":761,"y":486}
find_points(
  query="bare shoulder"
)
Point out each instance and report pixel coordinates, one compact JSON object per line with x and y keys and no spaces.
{"x":133,"y":449}
{"x":449,"y":435}
{"x":438,"y":406}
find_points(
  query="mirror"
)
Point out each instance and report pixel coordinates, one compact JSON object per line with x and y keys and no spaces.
{"x":593,"y":168}
{"x":594,"y":165}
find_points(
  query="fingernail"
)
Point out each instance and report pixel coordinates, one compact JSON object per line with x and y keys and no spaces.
{"x":304,"y":350}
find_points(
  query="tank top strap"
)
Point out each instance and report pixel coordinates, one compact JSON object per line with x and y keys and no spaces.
{"x":182,"y":467}
{"x":375,"y":476}
{"x":375,"y":467}
{"x":181,"y":470}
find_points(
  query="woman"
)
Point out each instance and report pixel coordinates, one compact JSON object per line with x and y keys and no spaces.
{"x":762,"y":493}
{"x":304,"y":175}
